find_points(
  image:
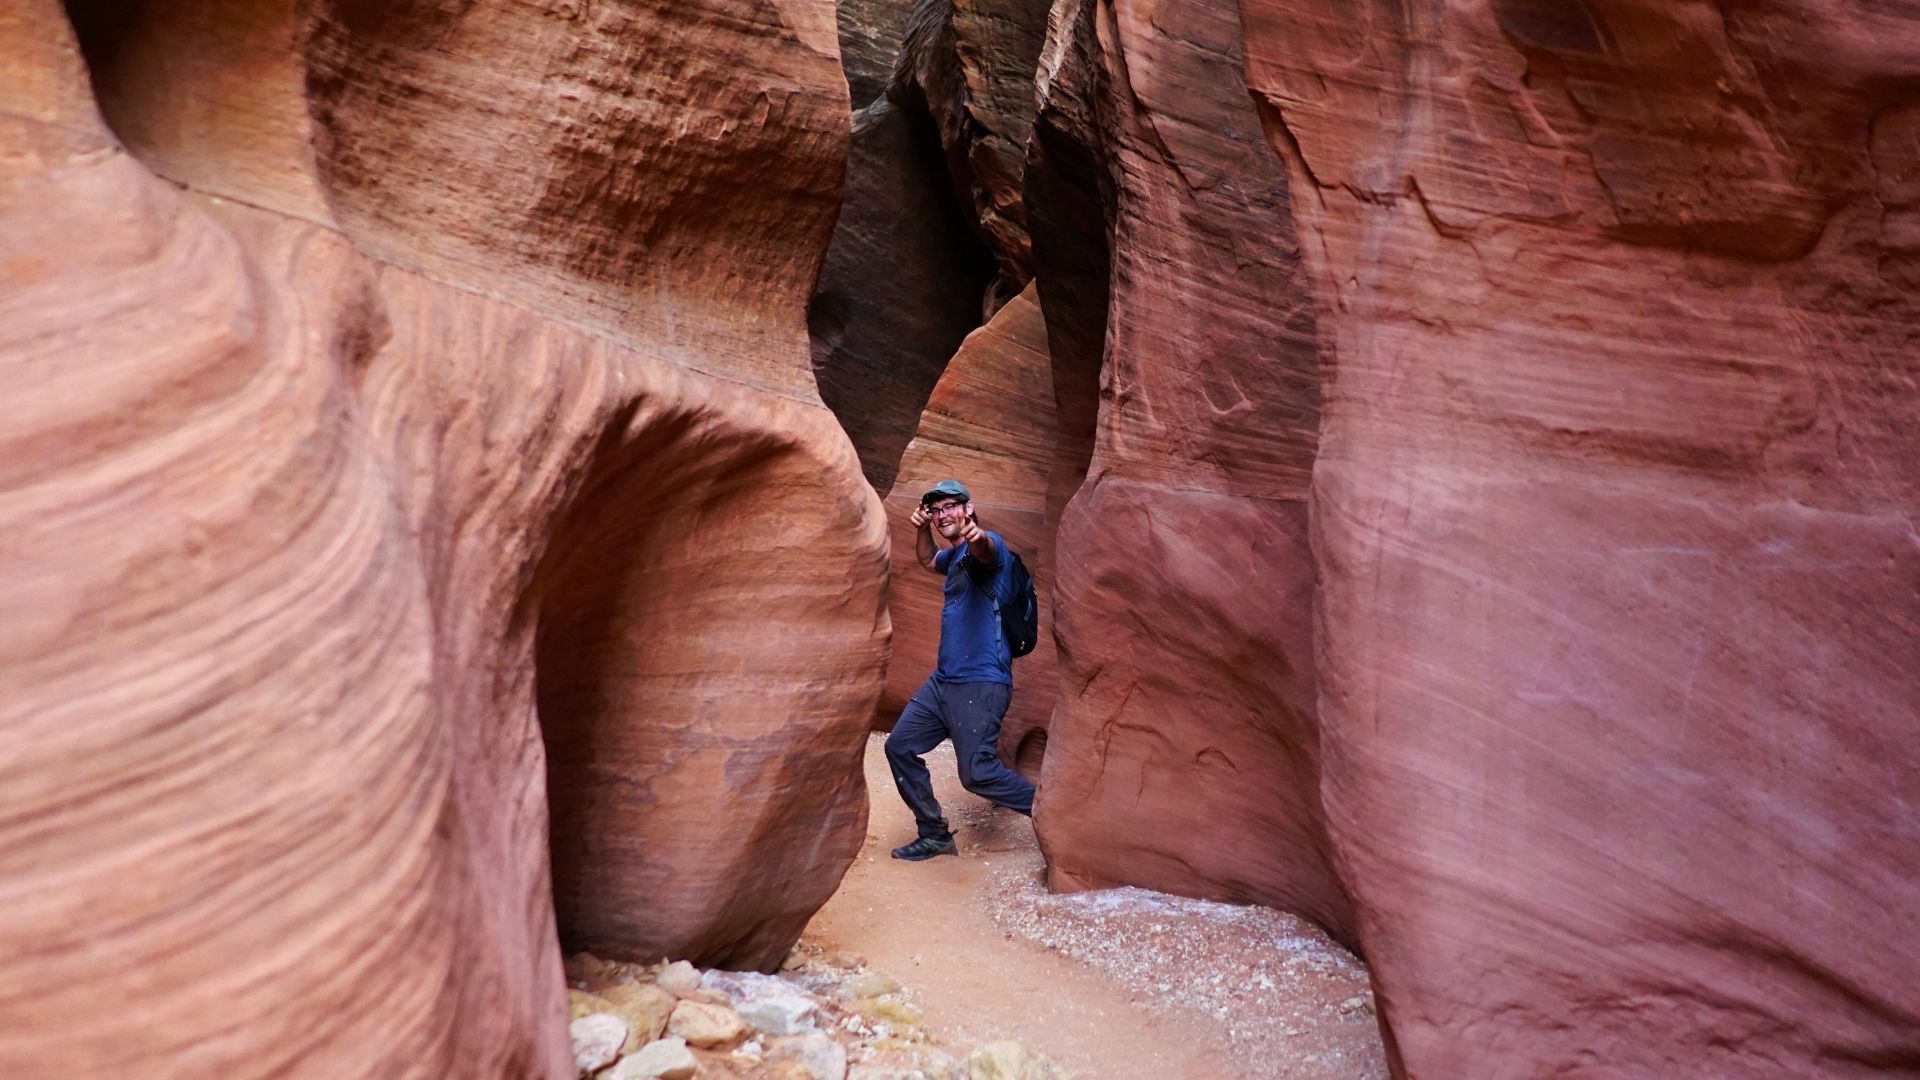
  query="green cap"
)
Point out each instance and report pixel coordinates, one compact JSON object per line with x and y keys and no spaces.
{"x":944,"y":489}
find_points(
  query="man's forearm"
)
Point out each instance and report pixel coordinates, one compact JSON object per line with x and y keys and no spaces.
{"x":923,"y":548}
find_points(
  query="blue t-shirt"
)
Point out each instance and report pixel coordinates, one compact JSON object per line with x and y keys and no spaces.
{"x":972,"y":647}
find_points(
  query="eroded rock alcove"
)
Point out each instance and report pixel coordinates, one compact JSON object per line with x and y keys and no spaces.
{"x":371,"y":365}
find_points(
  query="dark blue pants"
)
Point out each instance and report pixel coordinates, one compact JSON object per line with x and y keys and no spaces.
{"x":970,"y":714}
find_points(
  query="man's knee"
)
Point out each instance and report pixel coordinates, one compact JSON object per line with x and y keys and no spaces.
{"x":897,"y":749}
{"x":979,"y":771}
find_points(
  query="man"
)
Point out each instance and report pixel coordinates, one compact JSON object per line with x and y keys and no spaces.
{"x":967,"y":694}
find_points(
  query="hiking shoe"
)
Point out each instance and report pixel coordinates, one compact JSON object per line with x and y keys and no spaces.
{"x":926,"y":848}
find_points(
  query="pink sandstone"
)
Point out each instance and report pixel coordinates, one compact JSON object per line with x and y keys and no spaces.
{"x":969,"y":64}
{"x":1613,"y":522}
{"x":1183,"y":754}
{"x":388,"y":386}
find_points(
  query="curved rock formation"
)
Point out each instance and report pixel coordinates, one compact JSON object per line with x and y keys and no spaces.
{"x":991,"y":424}
{"x":376,"y":372}
{"x":904,"y":276}
{"x":1614,"y":522}
{"x":1183,"y":754}
{"x":970,"y":65}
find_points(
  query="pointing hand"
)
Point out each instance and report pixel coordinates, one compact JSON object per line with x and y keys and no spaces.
{"x":919,"y":517}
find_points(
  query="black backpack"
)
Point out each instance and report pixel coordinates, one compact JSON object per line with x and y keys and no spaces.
{"x":1020,"y":617}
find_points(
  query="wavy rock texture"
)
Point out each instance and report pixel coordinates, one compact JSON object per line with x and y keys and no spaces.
{"x":905,"y":275}
{"x":991,"y":424}
{"x":1184,"y":753}
{"x":970,"y":65}
{"x":1069,"y":199}
{"x":402,"y":380}
{"x":1614,"y":522}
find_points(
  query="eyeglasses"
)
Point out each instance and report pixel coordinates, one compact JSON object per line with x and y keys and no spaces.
{"x":946,"y":508}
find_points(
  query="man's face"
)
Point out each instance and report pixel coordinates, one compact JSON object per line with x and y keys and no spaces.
{"x":949,"y":515}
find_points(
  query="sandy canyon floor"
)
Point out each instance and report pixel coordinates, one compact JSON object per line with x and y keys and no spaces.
{"x":1112,"y":985}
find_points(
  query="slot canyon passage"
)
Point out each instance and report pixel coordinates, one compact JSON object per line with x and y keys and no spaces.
{"x":455,"y":485}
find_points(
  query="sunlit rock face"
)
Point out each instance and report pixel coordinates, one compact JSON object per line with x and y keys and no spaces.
{"x":388,"y":386}
{"x":1613,"y":521}
{"x":1183,"y":752}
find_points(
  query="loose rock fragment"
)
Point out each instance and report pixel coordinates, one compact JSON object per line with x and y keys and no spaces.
{"x":782,"y":1015}
{"x":1009,"y":1060}
{"x":587,"y":971}
{"x":706,"y":1026}
{"x":597,"y":1040}
{"x":643,"y":1006}
{"x":869,"y":984}
{"x":679,"y":978}
{"x":819,"y":1055}
{"x":662,"y":1059}
{"x":581,"y":1003}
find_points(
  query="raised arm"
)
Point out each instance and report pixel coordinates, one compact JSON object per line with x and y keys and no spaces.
{"x":924,"y":548}
{"x":980,"y":546}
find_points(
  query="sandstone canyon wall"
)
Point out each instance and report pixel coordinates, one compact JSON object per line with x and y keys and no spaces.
{"x":1470,"y":479}
{"x":1183,"y":753}
{"x":1515,"y":572}
{"x":905,"y":277}
{"x":388,"y":386}
{"x":1613,"y":519}
{"x":969,"y":65}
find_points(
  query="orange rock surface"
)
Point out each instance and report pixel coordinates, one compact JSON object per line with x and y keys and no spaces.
{"x":1613,"y":522}
{"x":905,"y":277}
{"x":1183,"y":754}
{"x":389,"y":385}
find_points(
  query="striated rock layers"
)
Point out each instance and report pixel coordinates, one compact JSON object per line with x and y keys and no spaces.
{"x":1184,"y":752}
{"x":1613,"y":519}
{"x":388,"y":385}
{"x":905,"y":273}
{"x":991,"y":423}
{"x":970,"y":65}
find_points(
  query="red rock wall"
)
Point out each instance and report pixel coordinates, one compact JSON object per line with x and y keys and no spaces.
{"x":906,"y":275}
{"x":969,"y":64}
{"x":990,"y":423}
{"x":1183,"y":753}
{"x":1613,"y":522}
{"x":385,"y":385}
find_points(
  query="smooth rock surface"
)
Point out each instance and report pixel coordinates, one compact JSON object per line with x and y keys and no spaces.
{"x":905,"y":273}
{"x":1613,"y":522}
{"x":1183,"y":749}
{"x":344,"y":461}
